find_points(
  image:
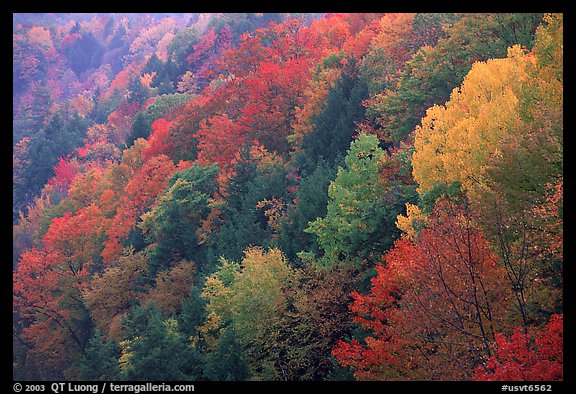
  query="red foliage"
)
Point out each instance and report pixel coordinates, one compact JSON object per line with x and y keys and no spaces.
{"x":429,"y":303}
{"x":244,"y":59}
{"x":219,"y":141}
{"x":65,"y":173}
{"x":375,"y":311}
{"x":40,"y":296}
{"x":524,"y":357}
{"x":159,"y":140}
{"x":76,"y":237}
{"x":48,"y":284}
{"x":140,"y":192}
{"x":272,"y":96}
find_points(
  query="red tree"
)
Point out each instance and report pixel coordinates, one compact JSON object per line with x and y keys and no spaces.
{"x":64,"y":174}
{"x":431,"y":310}
{"x":159,"y":139}
{"x":527,"y":357}
{"x":219,"y":141}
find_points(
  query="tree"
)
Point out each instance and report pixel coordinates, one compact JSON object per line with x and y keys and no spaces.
{"x":56,"y":140}
{"x":159,"y":139}
{"x":226,"y":362}
{"x":273,"y":92}
{"x":434,"y":309}
{"x":100,"y":360}
{"x":156,"y":350}
{"x":78,"y":238}
{"x":388,"y":51}
{"x":335,"y":127}
{"x":172,"y":288}
{"x":142,"y":188}
{"x":455,"y":142}
{"x":84,"y":53}
{"x":49,"y":314}
{"x":138,"y":93}
{"x":140,"y":129}
{"x":174,"y":224}
{"x":309,"y":204}
{"x":525,"y":357}
{"x":187,"y":83}
{"x":244,"y":297}
{"x":112,"y":293}
{"x":257,"y":176}
{"x":435,"y":70}
{"x":506,"y":152}
{"x":219,"y":141}
{"x":361,"y":207}
{"x":64,"y":174}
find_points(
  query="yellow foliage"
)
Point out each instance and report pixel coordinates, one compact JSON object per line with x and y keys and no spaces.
{"x":171,"y":287}
{"x":273,"y":208}
{"x":112,"y":292}
{"x":125,"y":359}
{"x":454,"y":142}
{"x":407,"y":223}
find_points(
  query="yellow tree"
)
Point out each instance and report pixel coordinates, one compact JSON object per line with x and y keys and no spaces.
{"x":113,"y":292}
{"x":455,"y":142}
{"x":500,"y":138}
{"x":245,"y":296}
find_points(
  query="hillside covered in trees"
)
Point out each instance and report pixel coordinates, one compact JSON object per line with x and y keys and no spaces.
{"x":288,"y":196}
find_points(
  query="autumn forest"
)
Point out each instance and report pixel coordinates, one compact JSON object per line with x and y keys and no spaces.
{"x":288,"y":196}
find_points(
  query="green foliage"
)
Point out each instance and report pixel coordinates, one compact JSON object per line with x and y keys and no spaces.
{"x":335,"y":127}
{"x":59,"y":137}
{"x":227,"y":362}
{"x":178,"y":50}
{"x":310,"y":203}
{"x":440,"y":191}
{"x":138,"y":93}
{"x":245,"y":294}
{"x":244,"y":224}
{"x":193,"y":313}
{"x":173,"y":224}
{"x":140,"y":129}
{"x":85,"y":53}
{"x":156,"y":350}
{"x":100,"y":360}
{"x":164,"y":74}
{"x":164,"y":105}
{"x":359,"y":221}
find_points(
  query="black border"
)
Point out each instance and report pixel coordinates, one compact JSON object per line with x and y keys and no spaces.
{"x":59,"y":6}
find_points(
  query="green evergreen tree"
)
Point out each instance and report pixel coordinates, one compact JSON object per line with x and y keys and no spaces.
{"x":335,"y":127}
{"x":193,"y":313}
{"x":141,"y":128}
{"x":156,"y":349}
{"x":243,"y":223}
{"x":227,"y":361}
{"x":100,"y":359}
{"x":311,"y":203}
{"x":172,"y":225}
{"x":138,"y":92}
{"x":60,"y":137}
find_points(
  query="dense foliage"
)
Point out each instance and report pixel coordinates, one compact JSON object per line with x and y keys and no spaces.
{"x":288,"y":196}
